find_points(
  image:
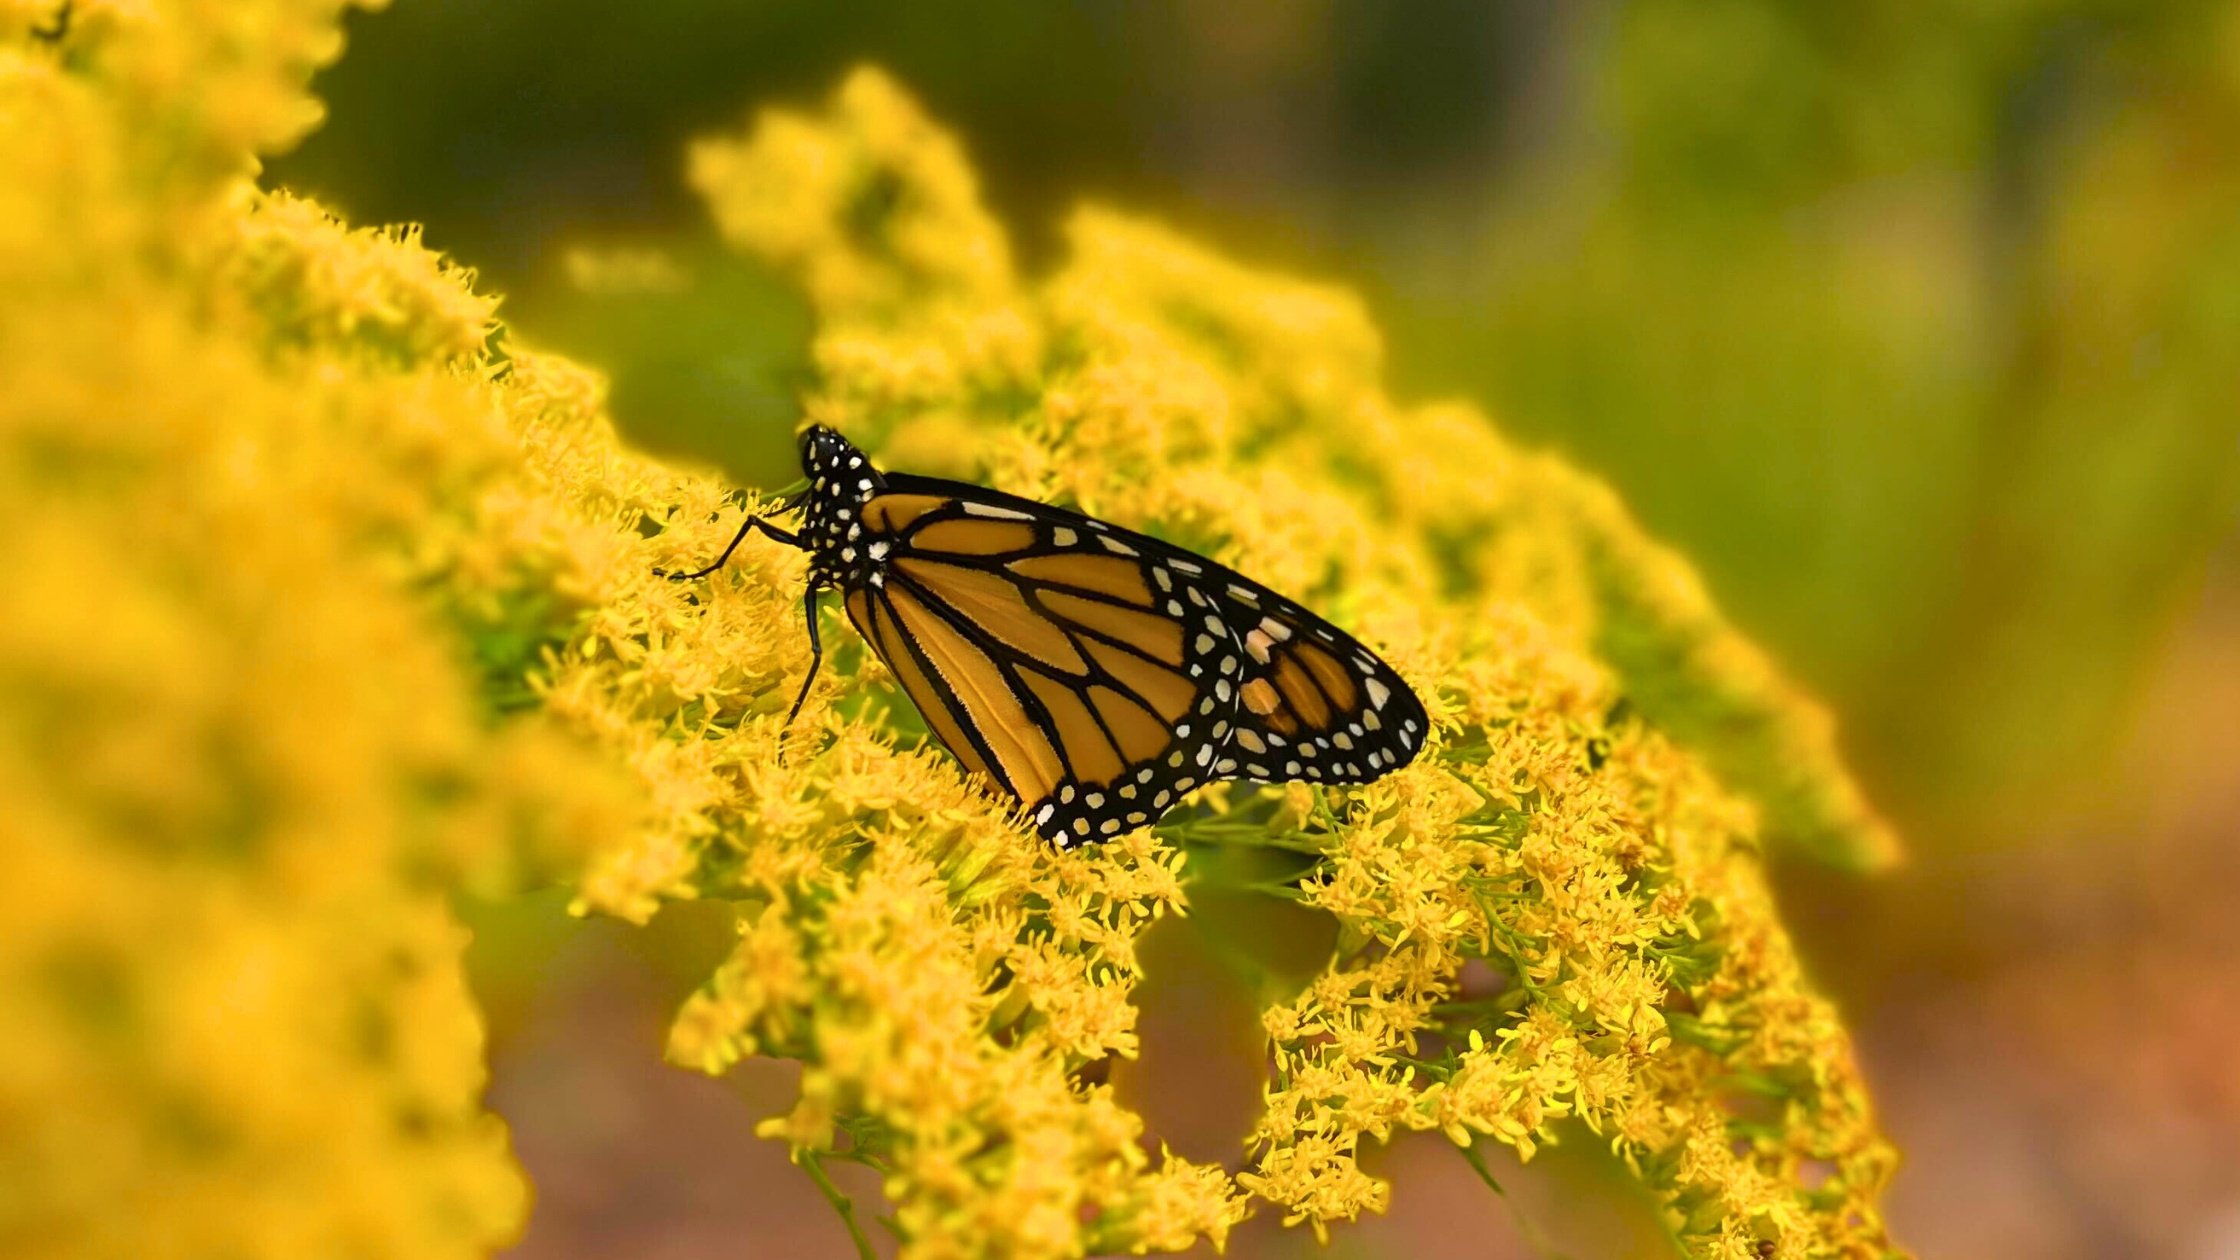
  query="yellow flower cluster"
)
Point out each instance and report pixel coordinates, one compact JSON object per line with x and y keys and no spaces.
{"x":1585,"y":830}
{"x":325,"y":601}
{"x":244,"y":762}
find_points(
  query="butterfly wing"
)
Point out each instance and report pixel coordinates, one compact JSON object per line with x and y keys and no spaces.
{"x":1099,"y":674}
{"x":1313,"y":704}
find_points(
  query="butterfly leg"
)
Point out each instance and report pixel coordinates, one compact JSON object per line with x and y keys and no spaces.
{"x":61,"y":25}
{"x":752,"y":522}
{"x":816,"y":654}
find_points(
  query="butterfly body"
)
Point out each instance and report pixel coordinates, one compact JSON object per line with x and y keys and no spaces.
{"x":1094,"y":673}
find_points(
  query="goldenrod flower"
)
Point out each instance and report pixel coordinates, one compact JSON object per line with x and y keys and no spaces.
{"x":327,"y":599}
{"x":1588,"y":822}
{"x":243,"y":761}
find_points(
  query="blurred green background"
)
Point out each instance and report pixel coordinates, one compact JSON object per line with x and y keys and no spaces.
{"x":1916,"y":325}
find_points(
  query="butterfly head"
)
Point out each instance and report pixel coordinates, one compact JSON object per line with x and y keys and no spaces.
{"x":841,"y":481}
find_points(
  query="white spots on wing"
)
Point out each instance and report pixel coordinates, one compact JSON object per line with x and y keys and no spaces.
{"x":1372,"y":721}
{"x":1196,"y":597}
{"x":1065,"y":794}
{"x":1108,"y":826}
{"x":1175,"y":759}
{"x":1257,"y":643}
{"x":1063,"y":537}
{"x":1042,"y":816}
{"x":1205,"y":644}
{"x":1115,"y":546}
{"x":1187,"y":567}
{"x":1215,"y":624}
{"x":973,"y":508}
{"x":1378,"y":692}
{"x":1250,"y":741}
{"x":1228,"y":664}
{"x":1205,"y":754}
{"x":1244,"y":595}
{"x":1222,"y":689}
{"x":878,"y":549}
{"x":1174,"y":608}
{"x":1343,"y":740}
{"x":1159,"y":575}
{"x":1225,"y":766}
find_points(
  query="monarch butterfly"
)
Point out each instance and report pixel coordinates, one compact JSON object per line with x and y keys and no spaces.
{"x":1094,"y":673}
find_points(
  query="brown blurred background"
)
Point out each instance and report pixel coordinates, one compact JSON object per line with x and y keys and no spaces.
{"x":1916,"y":325}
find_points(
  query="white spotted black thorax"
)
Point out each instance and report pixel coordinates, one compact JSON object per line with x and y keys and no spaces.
{"x":841,"y":482}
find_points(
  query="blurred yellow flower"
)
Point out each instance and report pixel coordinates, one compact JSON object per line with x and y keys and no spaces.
{"x":245,"y":760}
{"x":327,"y":600}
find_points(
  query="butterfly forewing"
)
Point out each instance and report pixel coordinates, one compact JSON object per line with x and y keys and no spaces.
{"x":875,"y":620}
{"x":1099,"y":674}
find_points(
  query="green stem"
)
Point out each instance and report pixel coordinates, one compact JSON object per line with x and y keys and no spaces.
{"x":841,"y":1203}
{"x":1252,"y":835}
{"x":858,"y":1157}
{"x":1533,"y":1237}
